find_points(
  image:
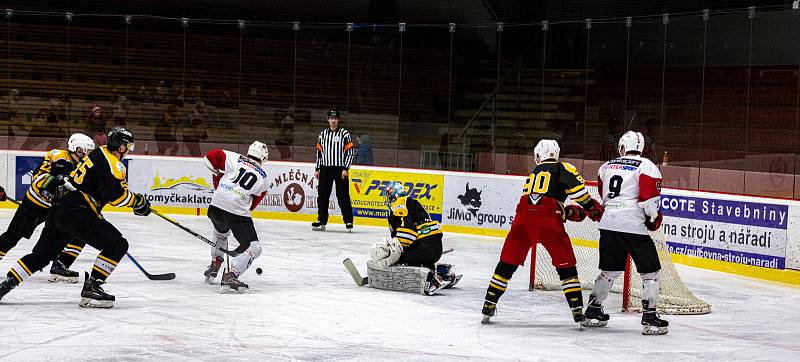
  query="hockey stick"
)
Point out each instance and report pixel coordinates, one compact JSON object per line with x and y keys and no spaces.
{"x":167,"y":276}
{"x":195,"y":234}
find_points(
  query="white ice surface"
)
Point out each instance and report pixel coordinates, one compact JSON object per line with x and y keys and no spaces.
{"x":305,"y":307}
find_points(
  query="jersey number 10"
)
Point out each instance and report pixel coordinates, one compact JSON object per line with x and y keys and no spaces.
{"x":245,"y":179}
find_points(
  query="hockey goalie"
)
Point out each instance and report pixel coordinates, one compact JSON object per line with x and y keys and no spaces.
{"x":407,"y":261}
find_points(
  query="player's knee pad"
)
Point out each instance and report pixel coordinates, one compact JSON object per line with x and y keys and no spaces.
{"x":254,"y":250}
{"x":505,"y":270}
{"x":221,"y":239}
{"x":609,"y":276}
{"x":567,"y":273}
{"x":116,"y":250}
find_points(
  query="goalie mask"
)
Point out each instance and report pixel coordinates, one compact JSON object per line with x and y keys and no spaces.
{"x":545,"y":150}
{"x":392,"y":192}
{"x":630,"y":142}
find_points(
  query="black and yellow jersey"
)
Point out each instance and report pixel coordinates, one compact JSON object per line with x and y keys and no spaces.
{"x":557,"y":180}
{"x":409,"y":222}
{"x":40,"y":174}
{"x":99,"y":180}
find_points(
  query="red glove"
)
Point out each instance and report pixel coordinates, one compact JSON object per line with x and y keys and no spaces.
{"x":2,"y":194}
{"x":653,"y":225}
{"x":596,"y":211}
{"x":575,"y":213}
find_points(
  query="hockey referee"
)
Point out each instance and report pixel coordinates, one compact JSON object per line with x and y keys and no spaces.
{"x":335,"y":154}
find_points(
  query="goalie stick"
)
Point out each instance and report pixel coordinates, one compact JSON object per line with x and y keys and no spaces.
{"x":166,"y":276}
{"x":362,"y":281}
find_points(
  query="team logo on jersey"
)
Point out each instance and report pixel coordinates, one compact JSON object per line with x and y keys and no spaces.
{"x":471,"y":199}
{"x":186,"y":182}
{"x":294,"y":197}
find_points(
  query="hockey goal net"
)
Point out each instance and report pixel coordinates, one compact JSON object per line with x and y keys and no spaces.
{"x":674,"y":297}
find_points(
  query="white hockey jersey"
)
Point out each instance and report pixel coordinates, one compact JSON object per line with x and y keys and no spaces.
{"x":623,"y":183}
{"x":239,"y":182}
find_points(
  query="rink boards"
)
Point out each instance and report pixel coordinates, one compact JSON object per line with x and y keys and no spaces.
{"x":745,"y":235}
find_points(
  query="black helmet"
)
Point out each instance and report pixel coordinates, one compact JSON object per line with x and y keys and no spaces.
{"x":333,"y":113}
{"x":119,"y":136}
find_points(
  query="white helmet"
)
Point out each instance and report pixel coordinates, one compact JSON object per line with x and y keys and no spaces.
{"x":82,"y":141}
{"x":545,"y":150}
{"x":630,"y":141}
{"x":259,"y":151}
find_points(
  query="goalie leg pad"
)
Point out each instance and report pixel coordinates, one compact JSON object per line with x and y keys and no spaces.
{"x":400,"y":278}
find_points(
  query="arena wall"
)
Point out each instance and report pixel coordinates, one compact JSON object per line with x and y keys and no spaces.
{"x":744,"y":235}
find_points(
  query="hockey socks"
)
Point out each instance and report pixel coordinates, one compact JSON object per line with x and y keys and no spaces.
{"x":103,"y":267}
{"x":70,"y":253}
{"x":497,"y":286}
{"x":571,"y":286}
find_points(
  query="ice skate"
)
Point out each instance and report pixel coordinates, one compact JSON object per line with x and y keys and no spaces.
{"x":595,"y":317}
{"x":317,"y":226}
{"x":60,"y":274}
{"x":213,"y":269}
{"x":349,"y":227}
{"x":434,"y":283}
{"x":93,"y":295}
{"x":652,"y":324}
{"x":445,"y":273}
{"x":577,"y":315}
{"x":7,"y":285}
{"x":232,"y":285}
{"x":489,"y":311}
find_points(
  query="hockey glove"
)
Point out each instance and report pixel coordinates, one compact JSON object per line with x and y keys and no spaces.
{"x":2,"y":194}
{"x":653,"y":225}
{"x":52,"y":188}
{"x":61,"y":168}
{"x":575,"y":213}
{"x":141,"y":206}
{"x":596,"y":211}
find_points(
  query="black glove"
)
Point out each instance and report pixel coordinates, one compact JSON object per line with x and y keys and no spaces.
{"x":140,"y":205}
{"x":52,"y":188}
{"x":653,"y":225}
{"x":2,"y":194}
{"x":61,"y":168}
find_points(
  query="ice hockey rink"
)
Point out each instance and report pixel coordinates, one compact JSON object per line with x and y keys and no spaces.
{"x":306,"y":307}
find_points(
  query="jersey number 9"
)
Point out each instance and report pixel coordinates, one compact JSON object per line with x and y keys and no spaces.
{"x":538,"y":183}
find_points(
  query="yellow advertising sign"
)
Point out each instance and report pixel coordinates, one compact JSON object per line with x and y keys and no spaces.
{"x":367,"y":186}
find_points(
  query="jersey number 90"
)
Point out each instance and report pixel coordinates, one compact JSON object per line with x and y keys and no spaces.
{"x":537,"y":183}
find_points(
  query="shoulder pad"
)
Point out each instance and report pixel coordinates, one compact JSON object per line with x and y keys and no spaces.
{"x":57,"y":154}
{"x":569,"y":167}
{"x":115,"y":165}
{"x":399,"y":207}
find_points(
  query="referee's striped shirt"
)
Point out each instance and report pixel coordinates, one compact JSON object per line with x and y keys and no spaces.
{"x":335,"y":148}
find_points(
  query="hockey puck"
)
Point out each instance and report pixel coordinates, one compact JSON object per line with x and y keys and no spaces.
{"x":258,"y":271}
